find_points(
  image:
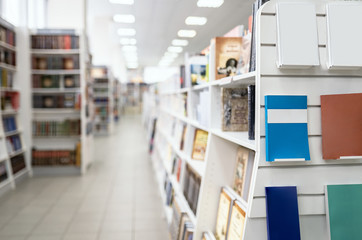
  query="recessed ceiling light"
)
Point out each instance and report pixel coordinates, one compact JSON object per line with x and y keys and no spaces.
{"x":126,"y":2}
{"x":169,"y":54}
{"x":126,"y":31}
{"x":128,"y":41}
{"x":124,"y":18}
{"x":210,"y":3}
{"x":129,"y":48}
{"x":180,"y":42}
{"x":196,"y":20}
{"x":186,"y":33}
{"x":174,"y":49}
{"x":132,"y":65}
{"x":131,"y":58}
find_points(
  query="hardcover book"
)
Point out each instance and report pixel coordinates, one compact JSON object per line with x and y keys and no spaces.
{"x":223,"y":214}
{"x":242,"y":159}
{"x":251,"y":115}
{"x":344,"y":211}
{"x":286,"y":128}
{"x":228,"y":53}
{"x":341,"y":126}
{"x":235,"y":109}
{"x":282,"y":213}
{"x":237,"y":222}
{"x":200,"y":144}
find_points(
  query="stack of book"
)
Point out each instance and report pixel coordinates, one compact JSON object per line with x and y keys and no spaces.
{"x":13,"y":144}
{"x":65,"y":62}
{"x":18,"y":163}
{"x":66,"y":100}
{"x":9,"y":124}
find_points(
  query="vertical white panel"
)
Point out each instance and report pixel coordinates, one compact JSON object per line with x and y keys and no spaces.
{"x":344,"y":42}
{"x":297,"y":35}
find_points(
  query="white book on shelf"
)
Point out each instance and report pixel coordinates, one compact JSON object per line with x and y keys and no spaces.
{"x":297,"y":36}
{"x":343,"y":40}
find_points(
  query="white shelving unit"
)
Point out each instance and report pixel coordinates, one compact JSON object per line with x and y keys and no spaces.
{"x":103,"y":100}
{"x":217,"y":169}
{"x":13,"y":156}
{"x":70,"y":81}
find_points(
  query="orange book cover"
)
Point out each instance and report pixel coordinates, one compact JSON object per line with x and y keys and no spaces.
{"x":341,"y":125}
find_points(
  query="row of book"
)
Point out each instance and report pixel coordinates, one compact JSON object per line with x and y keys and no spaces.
{"x":56,"y":128}
{"x":7,"y":56}
{"x":54,"y":42}
{"x":67,"y":100}
{"x":101,"y":100}
{"x":176,"y":167}
{"x":10,"y":100}
{"x":238,"y":110}
{"x":191,"y":188}
{"x":7,"y":36}
{"x":101,"y":80}
{"x":68,"y":62}
{"x":18,"y":163}
{"x":100,"y":90}
{"x":169,"y":191}
{"x":13,"y":144}
{"x":53,"y":157}
{"x":9,"y":124}
{"x":55,"y":81}
{"x":3,"y":173}
{"x":6,"y":78}
{"x":181,"y":227}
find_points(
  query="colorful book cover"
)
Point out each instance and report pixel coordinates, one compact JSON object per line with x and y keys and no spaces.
{"x":286,"y":128}
{"x":223,"y":214}
{"x":344,"y":211}
{"x":237,"y":222}
{"x":341,"y":126}
{"x":200,"y":144}
{"x":228,"y":53}
{"x":282,"y":213}
{"x":241,"y":165}
{"x":235,"y":109}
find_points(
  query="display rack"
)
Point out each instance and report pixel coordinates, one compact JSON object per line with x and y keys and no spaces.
{"x":13,"y":158}
{"x":103,"y":100}
{"x":62,"y":141}
{"x":117,"y":108}
{"x":216,"y":170}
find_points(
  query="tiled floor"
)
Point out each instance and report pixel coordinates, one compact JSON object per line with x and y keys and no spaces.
{"x":116,"y":199}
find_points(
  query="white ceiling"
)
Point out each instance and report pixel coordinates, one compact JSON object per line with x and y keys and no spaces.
{"x":157,"y":23}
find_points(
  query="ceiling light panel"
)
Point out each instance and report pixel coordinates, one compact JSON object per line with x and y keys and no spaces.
{"x":128,"y":41}
{"x":124,"y":18}
{"x":169,"y":54}
{"x":210,"y":3}
{"x":129,"y":48}
{"x":174,"y":49}
{"x":126,"y":2}
{"x":180,"y":42}
{"x":186,"y":33}
{"x":196,"y":20}
{"x":126,"y":31}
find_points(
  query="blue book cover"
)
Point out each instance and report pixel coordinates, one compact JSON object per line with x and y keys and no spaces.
{"x":282,"y":213}
{"x":286,"y":128}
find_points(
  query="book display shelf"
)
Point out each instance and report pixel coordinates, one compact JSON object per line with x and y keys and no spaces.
{"x":13,"y":160}
{"x":295,"y":158}
{"x":103,"y":100}
{"x":62,"y":141}
{"x":117,"y":106}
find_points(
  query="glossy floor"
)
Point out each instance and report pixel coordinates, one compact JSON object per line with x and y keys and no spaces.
{"x":117,"y":198}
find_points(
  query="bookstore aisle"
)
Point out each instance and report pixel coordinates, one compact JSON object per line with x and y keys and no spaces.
{"x":116,"y":199}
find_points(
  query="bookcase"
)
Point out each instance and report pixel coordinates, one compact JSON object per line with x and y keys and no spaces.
{"x":274,"y":75}
{"x":62,"y":141}
{"x":13,"y":158}
{"x":103,"y":100}
{"x":117,"y":107}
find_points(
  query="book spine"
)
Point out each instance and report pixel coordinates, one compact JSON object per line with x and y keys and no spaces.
{"x":251,"y":115}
